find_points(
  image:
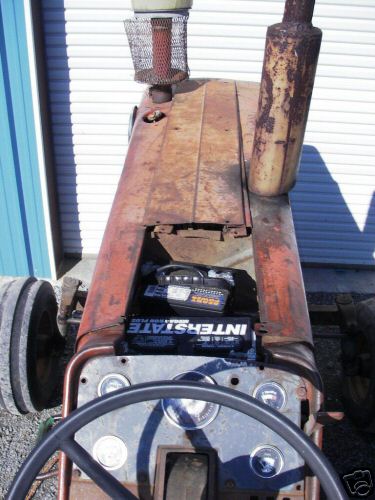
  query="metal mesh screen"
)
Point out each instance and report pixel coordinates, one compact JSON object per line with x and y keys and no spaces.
{"x":159,"y":49}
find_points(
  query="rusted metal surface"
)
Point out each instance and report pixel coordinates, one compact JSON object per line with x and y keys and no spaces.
{"x":120,"y":252}
{"x":299,"y":358}
{"x":179,"y":184}
{"x":68,"y":302}
{"x":219,"y":193}
{"x":290,"y":60}
{"x":200,"y":177}
{"x":72,"y":373}
{"x":281,"y":292}
{"x":161,"y":93}
{"x":81,"y":490}
{"x":200,"y":234}
{"x":312,"y":484}
{"x":172,"y":195}
{"x":161,"y":471}
{"x":298,"y":11}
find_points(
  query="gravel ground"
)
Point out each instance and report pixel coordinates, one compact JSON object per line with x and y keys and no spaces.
{"x":346,"y":447}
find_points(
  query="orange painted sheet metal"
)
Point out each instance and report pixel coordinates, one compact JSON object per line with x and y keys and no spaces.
{"x":120,"y":252}
{"x":181,"y":188}
{"x":281,"y":293}
{"x":200,"y":178}
{"x":219,"y":193}
{"x":172,"y":195}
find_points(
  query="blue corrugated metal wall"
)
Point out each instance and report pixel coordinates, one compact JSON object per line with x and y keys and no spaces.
{"x":23,"y":244}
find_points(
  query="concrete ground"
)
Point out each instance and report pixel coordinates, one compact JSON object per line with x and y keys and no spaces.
{"x":348,"y":448}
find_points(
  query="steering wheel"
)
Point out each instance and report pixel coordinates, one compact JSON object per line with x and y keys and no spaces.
{"x":62,"y":436}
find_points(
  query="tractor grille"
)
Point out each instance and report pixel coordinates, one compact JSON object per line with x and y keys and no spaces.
{"x":159,"y":49}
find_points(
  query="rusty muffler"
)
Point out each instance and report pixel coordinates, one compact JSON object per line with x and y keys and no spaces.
{"x":290,"y":61}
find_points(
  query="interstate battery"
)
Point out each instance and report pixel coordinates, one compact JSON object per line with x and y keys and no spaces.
{"x":198,"y":334}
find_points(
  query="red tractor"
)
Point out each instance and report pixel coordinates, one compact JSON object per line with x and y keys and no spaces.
{"x":194,"y":373}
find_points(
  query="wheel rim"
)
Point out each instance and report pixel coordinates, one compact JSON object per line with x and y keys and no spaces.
{"x":44,"y":359}
{"x":36,"y":344}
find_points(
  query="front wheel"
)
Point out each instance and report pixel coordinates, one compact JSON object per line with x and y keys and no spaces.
{"x":30,"y":345}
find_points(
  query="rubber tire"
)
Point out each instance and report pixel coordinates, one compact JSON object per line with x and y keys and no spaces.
{"x":36,"y":315}
{"x":362,"y":413}
{"x":8,"y":306}
{"x":3,"y":289}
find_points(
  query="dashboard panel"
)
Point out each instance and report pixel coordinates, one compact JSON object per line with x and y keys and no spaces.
{"x":249,"y":457}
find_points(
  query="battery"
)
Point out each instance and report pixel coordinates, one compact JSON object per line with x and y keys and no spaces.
{"x":200,"y":334}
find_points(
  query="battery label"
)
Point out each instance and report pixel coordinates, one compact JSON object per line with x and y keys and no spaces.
{"x":202,"y":297}
{"x":212,"y":333}
{"x":178,"y":293}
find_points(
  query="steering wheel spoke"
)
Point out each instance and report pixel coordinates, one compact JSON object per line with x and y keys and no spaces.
{"x":108,"y":483}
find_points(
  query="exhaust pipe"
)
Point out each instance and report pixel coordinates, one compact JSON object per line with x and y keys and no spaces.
{"x":290,"y":61}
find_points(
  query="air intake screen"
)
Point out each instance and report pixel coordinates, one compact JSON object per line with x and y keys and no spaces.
{"x":159,"y":49}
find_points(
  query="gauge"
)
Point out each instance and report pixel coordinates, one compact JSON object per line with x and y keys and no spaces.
{"x":190,"y":414}
{"x":112,"y":382}
{"x":266,"y":461}
{"x":110,"y":452}
{"x":271,"y":394}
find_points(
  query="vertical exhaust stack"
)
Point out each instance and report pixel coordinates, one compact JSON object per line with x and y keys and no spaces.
{"x":290,"y":60}
{"x":158,"y":42}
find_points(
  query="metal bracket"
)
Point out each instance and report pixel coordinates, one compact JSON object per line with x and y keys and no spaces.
{"x":235,"y":232}
{"x":68,"y":302}
{"x":227,"y":232}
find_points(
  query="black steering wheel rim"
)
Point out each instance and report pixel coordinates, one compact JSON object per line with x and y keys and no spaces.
{"x":61,"y":437}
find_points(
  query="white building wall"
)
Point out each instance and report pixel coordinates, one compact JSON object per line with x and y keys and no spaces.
{"x":92,"y":93}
